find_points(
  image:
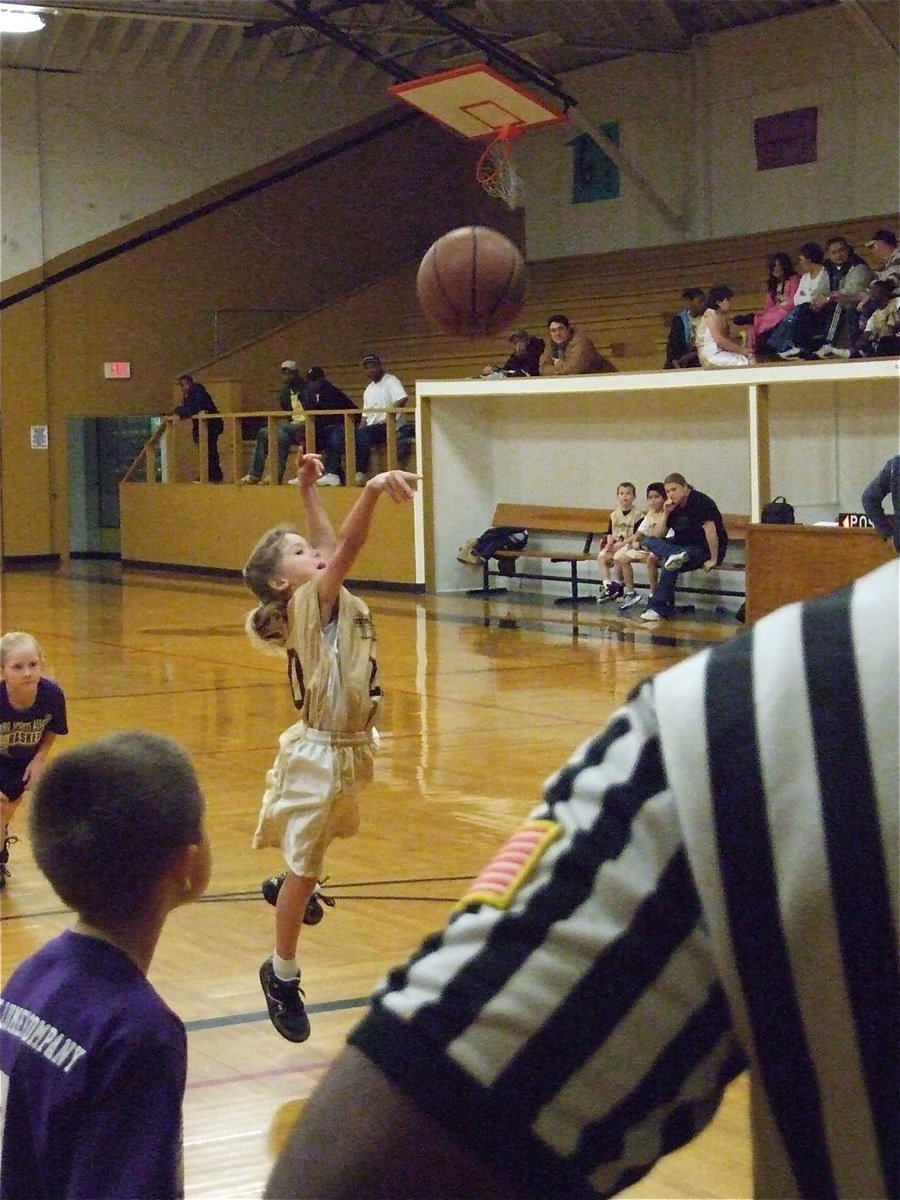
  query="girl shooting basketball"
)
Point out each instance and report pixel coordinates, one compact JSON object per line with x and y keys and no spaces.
{"x":327,"y":634}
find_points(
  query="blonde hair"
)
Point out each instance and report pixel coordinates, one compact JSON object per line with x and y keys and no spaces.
{"x":11,"y":642}
{"x":267,"y":625}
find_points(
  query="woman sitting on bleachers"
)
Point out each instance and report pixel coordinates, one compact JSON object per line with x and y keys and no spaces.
{"x":780,"y":288}
{"x":806,"y":322}
{"x":715,"y":345}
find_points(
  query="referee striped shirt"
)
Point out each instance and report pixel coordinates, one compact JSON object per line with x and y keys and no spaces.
{"x":713,"y":887}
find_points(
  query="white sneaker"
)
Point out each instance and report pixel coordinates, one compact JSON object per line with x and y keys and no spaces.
{"x":792,"y":353}
{"x":825,"y":350}
{"x":329,"y":480}
{"x":651,"y":615}
{"x":838,"y":352}
{"x":675,"y":561}
{"x":248,"y":479}
{"x":629,"y":600}
{"x":295,"y":481}
{"x":361,"y":480}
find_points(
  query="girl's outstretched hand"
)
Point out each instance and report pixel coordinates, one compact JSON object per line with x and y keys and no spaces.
{"x":309,"y":469}
{"x":399,"y":485}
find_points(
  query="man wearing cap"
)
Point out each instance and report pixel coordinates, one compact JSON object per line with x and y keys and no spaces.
{"x":292,"y":399}
{"x":884,"y":245}
{"x":525,"y":358}
{"x":384,"y":393}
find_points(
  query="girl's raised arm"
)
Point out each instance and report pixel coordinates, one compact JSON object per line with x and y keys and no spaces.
{"x":401,"y":487}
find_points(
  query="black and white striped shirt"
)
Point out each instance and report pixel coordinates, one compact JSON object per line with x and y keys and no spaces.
{"x":710,"y":884}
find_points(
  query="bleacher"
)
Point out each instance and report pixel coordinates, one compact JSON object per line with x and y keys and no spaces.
{"x":623,"y":300}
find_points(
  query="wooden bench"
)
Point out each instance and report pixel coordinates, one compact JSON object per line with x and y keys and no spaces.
{"x":585,"y":524}
{"x":582,"y":523}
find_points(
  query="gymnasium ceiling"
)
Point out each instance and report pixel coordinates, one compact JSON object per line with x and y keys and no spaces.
{"x":298,"y":40}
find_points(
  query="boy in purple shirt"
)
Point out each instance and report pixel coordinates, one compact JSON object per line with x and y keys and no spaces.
{"x":92,"y":1062}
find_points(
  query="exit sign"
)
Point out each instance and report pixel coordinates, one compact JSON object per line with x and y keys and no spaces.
{"x":117,"y":370}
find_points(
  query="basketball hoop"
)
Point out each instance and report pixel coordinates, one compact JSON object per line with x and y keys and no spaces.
{"x":477,"y":102}
{"x":495,"y":171}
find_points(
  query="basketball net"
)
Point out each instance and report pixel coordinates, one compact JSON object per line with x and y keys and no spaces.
{"x":495,"y":171}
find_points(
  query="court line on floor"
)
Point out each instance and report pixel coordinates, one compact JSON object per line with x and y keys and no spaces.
{"x":248,"y":1018}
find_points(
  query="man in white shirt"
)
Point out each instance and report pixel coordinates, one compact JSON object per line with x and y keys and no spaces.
{"x":384,"y":393}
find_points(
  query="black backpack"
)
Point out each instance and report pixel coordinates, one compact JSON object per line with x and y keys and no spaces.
{"x":778,"y":512}
{"x":501,"y":537}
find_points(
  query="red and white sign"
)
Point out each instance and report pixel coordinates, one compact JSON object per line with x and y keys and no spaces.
{"x":117,"y":370}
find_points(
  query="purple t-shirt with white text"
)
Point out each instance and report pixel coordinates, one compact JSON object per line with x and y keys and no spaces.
{"x":92,"y":1071}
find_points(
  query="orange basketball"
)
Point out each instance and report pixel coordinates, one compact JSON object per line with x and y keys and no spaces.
{"x":472,"y":282}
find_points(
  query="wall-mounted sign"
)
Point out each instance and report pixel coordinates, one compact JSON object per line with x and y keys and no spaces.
{"x":850,"y":520}
{"x":117,"y":370}
{"x":40,"y":437}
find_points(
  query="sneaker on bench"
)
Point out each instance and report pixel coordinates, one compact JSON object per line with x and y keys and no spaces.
{"x":676,"y":561}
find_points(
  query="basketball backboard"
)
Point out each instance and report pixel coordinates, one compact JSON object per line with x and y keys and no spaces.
{"x":476,"y":101}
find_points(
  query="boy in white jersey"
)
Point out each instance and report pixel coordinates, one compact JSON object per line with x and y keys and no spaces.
{"x":622,"y":524}
{"x":328,"y":637}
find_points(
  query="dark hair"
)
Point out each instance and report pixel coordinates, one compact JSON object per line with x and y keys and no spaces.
{"x":717,"y":293}
{"x":676,"y":478}
{"x":107,"y":815}
{"x":838,"y":238}
{"x":559,"y":319}
{"x":659,"y":488}
{"x":315,"y":373}
{"x":787,"y":268}
{"x":692,"y":293}
{"x":185,"y":379}
{"x":813,"y":251}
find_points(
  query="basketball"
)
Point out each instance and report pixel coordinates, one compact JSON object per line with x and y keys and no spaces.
{"x":472,"y":282}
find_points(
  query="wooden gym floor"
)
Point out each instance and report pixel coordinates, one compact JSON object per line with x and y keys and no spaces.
{"x":482,"y":703}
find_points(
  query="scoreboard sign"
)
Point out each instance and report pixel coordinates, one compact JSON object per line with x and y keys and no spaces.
{"x":850,"y":520}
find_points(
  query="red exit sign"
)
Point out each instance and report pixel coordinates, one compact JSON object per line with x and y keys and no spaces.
{"x":117,"y":370}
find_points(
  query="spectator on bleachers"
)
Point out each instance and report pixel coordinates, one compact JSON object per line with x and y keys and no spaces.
{"x":781,"y":285}
{"x":384,"y":393}
{"x":525,"y":358}
{"x":883,"y":244}
{"x":881,"y":336}
{"x":321,"y":394}
{"x":291,"y":399}
{"x":198,"y":400}
{"x":681,"y":346}
{"x":699,"y":540}
{"x":715,"y":344}
{"x":570,"y":352}
{"x":806,"y":325}
{"x":849,"y":276}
